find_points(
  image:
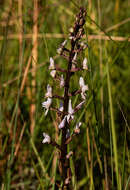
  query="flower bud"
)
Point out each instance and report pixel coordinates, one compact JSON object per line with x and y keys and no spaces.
{"x":51,"y":66}
{"x":53,"y":73}
{"x":62,"y":82}
{"x":85,"y":67}
{"x":61,"y":107}
{"x":49,"y":92}
{"x":77,"y":128}
{"x":64,"y":43}
{"x":62,"y":124}
{"x":70,"y":115}
{"x":69,"y":154}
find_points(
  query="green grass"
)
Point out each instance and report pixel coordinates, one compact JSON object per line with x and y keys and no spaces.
{"x":36,"y":165}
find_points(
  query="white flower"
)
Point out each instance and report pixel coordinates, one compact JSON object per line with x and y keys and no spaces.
{"x":78,"y":125}
{"x":84,"y":45}
{"x":59,"y":50}
{"x":47,"y":104}
{"x":81,"y":82}
{"x":72,"y":37}
{"x":51,"y":66}
{"x":74,"y":58}
{"x":70,"y":112}
{"x":83,"y":95}
{"x":62,"y":124}
{"x":83,"y":87}
{"x":67,"y":180}
{"x":71,"y":30}
{"x":79,"y":105}
{"x":49,"y":92}
{"x":85,"y":64}
{"x":46,"y":139}
{"x":77,"y":128}
{"x":61,"y":107}
{"x":62,"y":82}
{"x":69,"y":154}
{"x":73,"y":66}
{"x":64,"y":43}
{"x":53,"y":73}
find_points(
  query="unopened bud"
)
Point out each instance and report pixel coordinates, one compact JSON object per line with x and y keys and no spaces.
{"x":69,"y":154}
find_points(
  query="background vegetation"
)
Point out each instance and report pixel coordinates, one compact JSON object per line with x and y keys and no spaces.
{"x":30,"y":33}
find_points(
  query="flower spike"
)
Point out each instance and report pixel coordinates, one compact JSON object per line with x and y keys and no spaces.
{"x":65,"y":112}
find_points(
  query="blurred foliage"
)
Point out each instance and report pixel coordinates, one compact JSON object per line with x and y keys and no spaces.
{"x":56,"y":17}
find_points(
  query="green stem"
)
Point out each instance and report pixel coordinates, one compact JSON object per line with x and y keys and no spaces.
{"x":113,"y":129}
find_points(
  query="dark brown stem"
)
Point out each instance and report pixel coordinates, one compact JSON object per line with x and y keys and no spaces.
{"x":76,"y":35}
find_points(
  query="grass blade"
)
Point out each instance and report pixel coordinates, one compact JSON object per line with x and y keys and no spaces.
{"x":113,"y":129}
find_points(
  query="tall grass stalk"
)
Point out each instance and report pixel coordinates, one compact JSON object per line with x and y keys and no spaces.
{"x":11,"y":158}
{"x":38,"y":175}
{"x":34,"y":63}
{"x":39,"y":159}
{"x":127,"y":183}
{"x":114,"y":140}
{"x":123,"y":161}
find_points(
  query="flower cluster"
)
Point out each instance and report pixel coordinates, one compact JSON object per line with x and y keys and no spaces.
{"x":68,"y":115}
{"x":66,"y":111}
{"x":48,"y":102}
{"x":83,"y":88}
{"x":52,"y":67}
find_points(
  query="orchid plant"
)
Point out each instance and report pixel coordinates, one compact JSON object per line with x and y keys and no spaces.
{"x":66,"y":111}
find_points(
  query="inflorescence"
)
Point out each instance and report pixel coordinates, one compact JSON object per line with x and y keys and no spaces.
{"x":66,"y":111}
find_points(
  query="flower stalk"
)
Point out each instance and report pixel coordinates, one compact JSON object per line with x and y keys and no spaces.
{"x":66,"y":111}
{"x":75,"y":36}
